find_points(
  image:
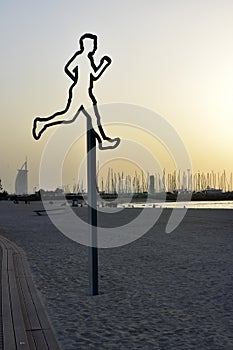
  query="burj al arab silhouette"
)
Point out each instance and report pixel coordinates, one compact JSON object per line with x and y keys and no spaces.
{"x":83,"y":71}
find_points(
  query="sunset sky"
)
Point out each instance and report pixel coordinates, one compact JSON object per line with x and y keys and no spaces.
{"x":174,"y":57}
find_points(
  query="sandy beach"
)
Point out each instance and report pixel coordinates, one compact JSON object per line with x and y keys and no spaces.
{"x":163,"y":291}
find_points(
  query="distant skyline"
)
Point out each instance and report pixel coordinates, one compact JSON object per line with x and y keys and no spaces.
{"x":172,"y":57}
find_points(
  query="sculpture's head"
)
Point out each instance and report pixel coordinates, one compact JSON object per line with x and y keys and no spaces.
{"x":88,"y":42}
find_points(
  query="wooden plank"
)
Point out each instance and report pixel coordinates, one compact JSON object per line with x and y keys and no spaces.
{"x":25,"y":266}
{"x":3,"y":243}
{"x":10,"y":264}
{"x":11,"y":245}
{"x":25,"y":323}
{"x":21,"y":266}
{"x":35,"y":310}
{"x":38,"y":305}
{"x":7,"y":321}
{"x":31,"y":341}
{"x":31,"y":312}
{"x":18,"y":321}
{"x":51,"y":340}
{"x":4,"y":259}
{"x":39,"y":340}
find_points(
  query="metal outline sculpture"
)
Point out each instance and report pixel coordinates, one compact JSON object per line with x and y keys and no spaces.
{"x":92,"y":136}
{"x":98,"y":71}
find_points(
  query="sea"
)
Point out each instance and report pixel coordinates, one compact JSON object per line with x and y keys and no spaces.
{"x":183,"y":204}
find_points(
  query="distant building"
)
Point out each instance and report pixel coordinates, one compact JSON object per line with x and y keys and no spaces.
{"x":21,"y":181}
{"x":152,"y":184}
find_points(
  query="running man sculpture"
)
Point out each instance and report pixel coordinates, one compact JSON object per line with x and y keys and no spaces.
{"x":83,"y":71}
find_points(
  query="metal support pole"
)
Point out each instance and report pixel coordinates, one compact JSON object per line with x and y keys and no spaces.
{"x":92,"y":209}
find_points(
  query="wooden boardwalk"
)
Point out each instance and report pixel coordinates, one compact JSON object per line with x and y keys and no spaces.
{"x":25,"y":324}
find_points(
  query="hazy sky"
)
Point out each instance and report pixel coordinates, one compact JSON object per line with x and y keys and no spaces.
{"x":174,"y":57}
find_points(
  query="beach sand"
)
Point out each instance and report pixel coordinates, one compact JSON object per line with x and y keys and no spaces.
{"x":163,"y":291}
